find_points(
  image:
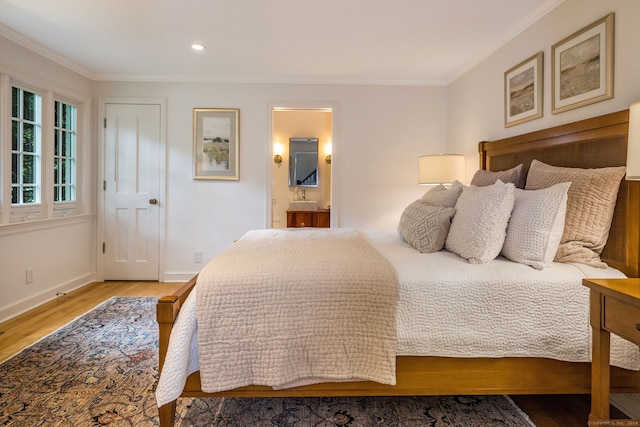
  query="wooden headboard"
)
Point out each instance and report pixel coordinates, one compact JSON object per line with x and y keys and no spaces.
{"x":592,"y":143}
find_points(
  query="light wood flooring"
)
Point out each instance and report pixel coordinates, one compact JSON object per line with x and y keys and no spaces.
{"x":23,"y":330}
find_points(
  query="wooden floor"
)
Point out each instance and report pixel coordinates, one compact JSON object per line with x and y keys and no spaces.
{"x":23,"y":330}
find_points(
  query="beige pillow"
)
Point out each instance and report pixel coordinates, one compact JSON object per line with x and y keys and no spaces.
{"x":591,"y":200}
{"x":515,"y":175}
{"x":443,"y":196}
{"x":425,"y":227}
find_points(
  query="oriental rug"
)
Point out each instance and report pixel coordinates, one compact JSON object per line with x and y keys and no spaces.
{"x":102,"y":370}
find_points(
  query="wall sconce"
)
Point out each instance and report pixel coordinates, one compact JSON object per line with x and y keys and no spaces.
{"x":633,"y":143}
{"x":441,"y":168}
{"x":327,"y":149}
{"x":277,"y":151}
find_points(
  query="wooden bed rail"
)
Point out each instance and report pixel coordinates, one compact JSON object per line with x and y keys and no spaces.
{"x":167,"y":310}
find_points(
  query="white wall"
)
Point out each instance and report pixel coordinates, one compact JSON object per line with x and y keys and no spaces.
{"x":61,"y":252}
{"x":476,"y":105}
{"x":379,"y":133}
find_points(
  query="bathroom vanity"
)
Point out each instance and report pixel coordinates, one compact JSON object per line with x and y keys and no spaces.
{"x":307,"y":218}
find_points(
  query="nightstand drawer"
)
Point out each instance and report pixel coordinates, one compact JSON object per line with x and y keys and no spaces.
{"x":622,"y":319}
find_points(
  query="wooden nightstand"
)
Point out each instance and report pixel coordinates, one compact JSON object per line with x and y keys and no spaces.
{"x":614,"y":307}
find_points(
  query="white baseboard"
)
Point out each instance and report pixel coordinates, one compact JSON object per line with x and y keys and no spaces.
{"x":628,"y":403}
{"x":22,"y":306}
{"x":176,"y":276}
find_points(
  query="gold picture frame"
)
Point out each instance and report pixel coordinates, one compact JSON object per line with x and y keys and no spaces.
{"x":523,"y":91}
{"x":216,"y":143}
{"x":582,"y":66}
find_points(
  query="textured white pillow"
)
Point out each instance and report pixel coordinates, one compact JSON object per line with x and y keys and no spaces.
{"x":443,"y":196}
{"x":425,"y":227}
{"x":479,"y":225}
{"x":536,"y":225}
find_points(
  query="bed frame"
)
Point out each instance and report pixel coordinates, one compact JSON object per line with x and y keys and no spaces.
{"x":591,"y":143}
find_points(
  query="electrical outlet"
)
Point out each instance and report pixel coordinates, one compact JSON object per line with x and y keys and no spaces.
{"x":28,"y":275}
{"x":197,"y":256}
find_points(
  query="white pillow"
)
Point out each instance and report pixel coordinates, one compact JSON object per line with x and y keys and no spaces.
{"x":479,"y":225}
{"x":536,"y":225}
{"x":425,"y":227}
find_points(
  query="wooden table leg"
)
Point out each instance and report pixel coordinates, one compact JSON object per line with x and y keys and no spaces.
{"x":600,"y":368}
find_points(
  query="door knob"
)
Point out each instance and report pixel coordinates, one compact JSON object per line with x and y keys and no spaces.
{"x":153,"y":201}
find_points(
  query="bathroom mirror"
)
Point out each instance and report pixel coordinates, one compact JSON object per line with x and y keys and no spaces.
{"x":303,"y":162}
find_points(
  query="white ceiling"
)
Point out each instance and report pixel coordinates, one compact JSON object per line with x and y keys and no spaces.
{"x":429,"y":42}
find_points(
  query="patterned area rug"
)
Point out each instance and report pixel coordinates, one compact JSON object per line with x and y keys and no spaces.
{"x":101,"y":370}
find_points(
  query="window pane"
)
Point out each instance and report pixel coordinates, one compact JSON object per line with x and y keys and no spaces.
{"x":15,"y":159}
{"x":15,"y":132}
{"x":28,"y":170}
{"x":67,"y":148}
{"x":56,"y":171}
{"x":29,"y":108}
{"x":28,"y":138}
{"x":56,"y":142}
{"x":14,"y":195}
{"x":15,"y":102}
{"x":28,"y":195}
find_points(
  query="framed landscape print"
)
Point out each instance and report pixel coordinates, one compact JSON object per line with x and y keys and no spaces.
{"x":582,"y":66}
{"x":216,"y":143}
{"x":523,"y":91}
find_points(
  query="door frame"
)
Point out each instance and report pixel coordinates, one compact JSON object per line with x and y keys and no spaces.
{"x":102,"y":102}
{"x":335,"y":158}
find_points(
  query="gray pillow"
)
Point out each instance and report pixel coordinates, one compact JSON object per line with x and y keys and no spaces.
{"x":515,"y":175}
{"x":443,"y":196}
{"x":425,"y":227}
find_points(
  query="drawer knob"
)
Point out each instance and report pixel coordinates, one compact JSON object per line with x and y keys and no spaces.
{"x":638,"y":326}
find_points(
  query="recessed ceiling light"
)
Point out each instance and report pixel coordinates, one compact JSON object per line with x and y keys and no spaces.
{"x":197,"y":46}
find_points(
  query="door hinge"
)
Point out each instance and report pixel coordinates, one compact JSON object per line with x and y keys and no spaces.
{"x":104,"y":247}
{"x":104,"y":123}
{"x":104,"y":185}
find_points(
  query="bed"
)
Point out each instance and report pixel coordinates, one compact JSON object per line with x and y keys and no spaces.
{"x":593,"y":143}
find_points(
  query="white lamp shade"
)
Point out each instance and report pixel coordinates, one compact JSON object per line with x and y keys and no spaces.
{"x":633,"y":143}
{"x":441,"y":168}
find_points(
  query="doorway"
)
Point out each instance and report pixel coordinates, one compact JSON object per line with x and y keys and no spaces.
{"x":294,"y":123}
{"x":132,"y":183}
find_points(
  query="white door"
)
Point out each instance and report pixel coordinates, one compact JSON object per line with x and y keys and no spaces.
{"x":132,"y":191}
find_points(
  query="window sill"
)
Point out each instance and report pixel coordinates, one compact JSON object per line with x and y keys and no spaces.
{"x":42,"y":224}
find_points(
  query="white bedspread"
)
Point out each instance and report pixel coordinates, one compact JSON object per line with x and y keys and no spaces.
{"x":285,"y":308}
{"x":449,"y":307}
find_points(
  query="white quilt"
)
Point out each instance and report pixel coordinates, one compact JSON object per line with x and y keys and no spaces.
{"x":451,"y":308}
{"x":290,"y":307}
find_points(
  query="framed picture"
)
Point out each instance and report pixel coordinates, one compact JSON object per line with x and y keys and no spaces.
{"x":215,"y":143}
{"x":582,"y":66}
{"x":523,"y":91}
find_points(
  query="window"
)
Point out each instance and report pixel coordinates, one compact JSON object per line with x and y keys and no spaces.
{"x":41,"y":171}
{"x":64,"y":153}
{"x":25,"y":147}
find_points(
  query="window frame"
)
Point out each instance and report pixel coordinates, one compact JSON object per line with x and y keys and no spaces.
{"x":65,"y":207}
{"x":27,"y":211}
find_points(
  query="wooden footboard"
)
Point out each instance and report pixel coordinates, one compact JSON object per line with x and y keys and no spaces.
{"x":415,"y":375}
